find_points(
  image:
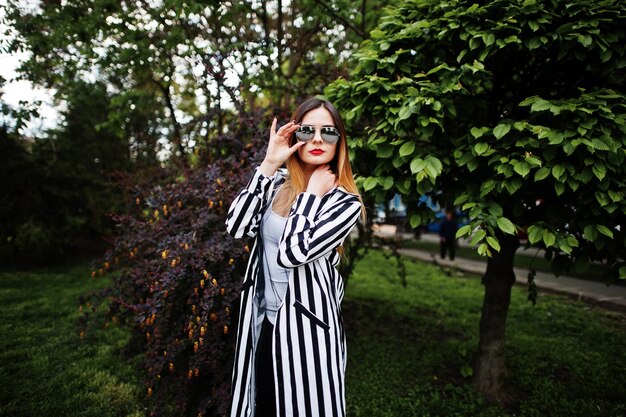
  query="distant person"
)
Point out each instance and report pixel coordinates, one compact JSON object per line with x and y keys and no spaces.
{"x":447,"y":235}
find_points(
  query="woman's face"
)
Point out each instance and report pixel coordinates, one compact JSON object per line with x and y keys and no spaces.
{"x":316,"y":151}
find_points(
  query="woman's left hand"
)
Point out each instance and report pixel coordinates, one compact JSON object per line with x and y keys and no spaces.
{"x":322,"y":181}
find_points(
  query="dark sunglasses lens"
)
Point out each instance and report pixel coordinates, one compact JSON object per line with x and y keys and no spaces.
{"x":305,"y":133}
{"x":304,"y":137}
{"x":330,"y":135}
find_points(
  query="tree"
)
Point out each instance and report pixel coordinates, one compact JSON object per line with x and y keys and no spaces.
{"x":57,"y":202}
{"x":513,"y":110}
{"x":199,"y":61}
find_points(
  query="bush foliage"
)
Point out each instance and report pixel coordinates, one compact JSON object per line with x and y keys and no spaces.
{"x":177,"y":278}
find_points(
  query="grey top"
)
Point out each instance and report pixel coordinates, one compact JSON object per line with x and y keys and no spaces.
{"x":276,"y":277}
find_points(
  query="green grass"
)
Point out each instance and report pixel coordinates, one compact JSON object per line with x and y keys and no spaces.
{"x":406,"y":349}
{"x":47,"y":369}
{"x":407,"y":346}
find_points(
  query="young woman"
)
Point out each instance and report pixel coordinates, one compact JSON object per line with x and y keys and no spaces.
{"x":290,"y":357}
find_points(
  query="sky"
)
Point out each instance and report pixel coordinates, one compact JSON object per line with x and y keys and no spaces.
{"x":15,"y":91}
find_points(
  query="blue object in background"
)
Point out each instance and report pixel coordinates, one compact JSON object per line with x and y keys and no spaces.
{"x":440,"y":214}
{"x":397,"y":210}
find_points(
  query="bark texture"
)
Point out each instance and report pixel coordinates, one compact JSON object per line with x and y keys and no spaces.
{"x":490,"y":367}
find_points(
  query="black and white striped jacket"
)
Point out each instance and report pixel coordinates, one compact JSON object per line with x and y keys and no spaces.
{"x":308,"y":346}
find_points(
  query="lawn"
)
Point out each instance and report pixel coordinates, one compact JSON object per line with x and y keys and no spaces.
{"x":406,"y":349}
{"x":47,"y":369}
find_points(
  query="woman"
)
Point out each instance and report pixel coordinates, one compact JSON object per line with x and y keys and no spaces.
{"x":290,"y":357}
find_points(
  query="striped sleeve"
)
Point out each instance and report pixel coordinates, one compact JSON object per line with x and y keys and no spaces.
{"x":244,"y":213}
{"x":306,"y":237}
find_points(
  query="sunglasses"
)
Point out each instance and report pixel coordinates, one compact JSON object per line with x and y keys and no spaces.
{"x":329,"y":134}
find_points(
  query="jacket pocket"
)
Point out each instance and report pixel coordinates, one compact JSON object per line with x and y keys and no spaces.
{"x":305,"y":311}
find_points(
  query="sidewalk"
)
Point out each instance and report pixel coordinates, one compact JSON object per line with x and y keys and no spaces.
{"x":611,"y":297}
{"x":464,"y":243}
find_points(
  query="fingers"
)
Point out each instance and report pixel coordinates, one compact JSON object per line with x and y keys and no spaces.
{"x":325,"y":169}
{"x":322,"y":180}
{"x":292,"y":129}
{"x":288,"y":129}
{"x":297,"y":145}
{"x":273,"y":128}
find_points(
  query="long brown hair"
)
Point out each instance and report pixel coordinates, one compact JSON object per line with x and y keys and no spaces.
{"x":296,"y":180}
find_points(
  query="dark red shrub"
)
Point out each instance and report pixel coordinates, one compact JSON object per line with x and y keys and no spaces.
{"x":177,"y":278}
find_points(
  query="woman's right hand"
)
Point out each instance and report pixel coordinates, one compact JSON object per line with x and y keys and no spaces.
{"x":278,"y":149}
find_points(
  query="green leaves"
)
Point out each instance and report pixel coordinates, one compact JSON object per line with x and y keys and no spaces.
{"x":563,"y":145}
{"x":377,"y":34}
{"x":430,"y":166}
{"x":480,"y":148}
{"x":604,"y":230}
{"x":558,"y":171}
{"x":407,"y":148}
{"x":478,"y":131}
{"x":590,"y":232}
{"x":539,"y":105}
{"x":506,"y":225}
{"x":599,"y":170}
{"x":535,"y":234}
{"x":558,"y":239}
{"x":464,"y":230}
{"x":536,"y":103}
{"x":493,"y":242}
{"x":501,"y":130}
{"x":549,"y":238}
{"x":417,"y":165}
{"x":404,"y":113}
{"x":489,"y":38}
{"x":521,"y":167}
{"x":533,"y":160}
{"x":555,"y":138}
{"x":369,"y":183}
{"x":483,"y":250}
{"x":433,"y":166}
{"x":478,"y":236}
{"x":386,"y":182}
{"x":415,"y":221}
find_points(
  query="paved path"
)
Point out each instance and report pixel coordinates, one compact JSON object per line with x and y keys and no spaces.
{"x":434,"y":238}
{"x":596,"y":293}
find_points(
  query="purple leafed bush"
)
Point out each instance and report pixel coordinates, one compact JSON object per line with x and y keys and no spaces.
{"x":176,"y":280}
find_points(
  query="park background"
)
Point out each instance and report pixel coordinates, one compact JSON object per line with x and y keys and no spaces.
{"x":119,"y":284}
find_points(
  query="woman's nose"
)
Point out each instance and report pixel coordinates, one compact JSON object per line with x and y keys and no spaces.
{"x":318,"y":137}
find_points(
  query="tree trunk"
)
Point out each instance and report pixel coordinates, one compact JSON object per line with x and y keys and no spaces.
{"x":489,"y":366}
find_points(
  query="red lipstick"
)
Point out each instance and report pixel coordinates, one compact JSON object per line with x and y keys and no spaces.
{"x":316,"y":152}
